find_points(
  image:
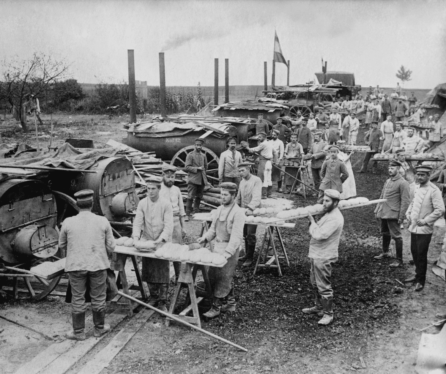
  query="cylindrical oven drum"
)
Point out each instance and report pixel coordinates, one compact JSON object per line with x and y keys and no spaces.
{"x":37,"y":241}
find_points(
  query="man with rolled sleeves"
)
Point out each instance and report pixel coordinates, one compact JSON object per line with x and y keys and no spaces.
{"x":154,"y":221}
{"x":172,"y":193}
{"x":333,"y":172}
{"x":392,"y":212}
{"x":426,"y":207}
{"x":87,"y":239}
{"x":227,"y":233}
{"x":249,"y":197}
{"x":267,"y":154}
{"x":276,"y":173}
{"x":324,"y":243}
{"x":196,"y":166}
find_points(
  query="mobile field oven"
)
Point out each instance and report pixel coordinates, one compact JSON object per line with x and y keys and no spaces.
{"x":172,"y":141}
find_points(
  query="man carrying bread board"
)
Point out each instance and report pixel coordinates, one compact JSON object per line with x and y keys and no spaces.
{"x":154,"y":221}
{"x":227,"y":232}
{"x":249,"y":197}
{"x":324,"y":243}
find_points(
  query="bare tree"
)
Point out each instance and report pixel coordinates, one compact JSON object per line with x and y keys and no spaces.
{"x":24,"y":80}
{"x":403,"y":74}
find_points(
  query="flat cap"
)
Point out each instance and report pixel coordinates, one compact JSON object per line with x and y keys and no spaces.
{"x":245,"y":164}
{"x":276,"y":131}
{"x":262,"y":133}
{"x":199,"y":140}
{"x":169,"y":168}
{"x":229,"y":186}
{"x":84,"y":195}
{"x":153,"y":180}
{"x":395,"y":163}
{"x":318,"y":132}
{"x":334,"y":147}
{"x":333,"y":194}
{"x":424,"y":168}
{"x":399,"y":150}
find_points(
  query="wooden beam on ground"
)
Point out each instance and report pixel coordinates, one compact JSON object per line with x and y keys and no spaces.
{"x":108,"y":353}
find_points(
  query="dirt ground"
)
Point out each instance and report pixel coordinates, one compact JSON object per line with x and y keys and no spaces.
{"x":376,"y":318}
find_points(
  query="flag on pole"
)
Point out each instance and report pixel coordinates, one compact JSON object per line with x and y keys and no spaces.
{"x":278,"y":55}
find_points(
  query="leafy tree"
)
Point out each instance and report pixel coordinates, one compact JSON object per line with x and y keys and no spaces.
{"x":23,"y":78}
{"x":67,"y":90}
{"x":404,"y":75}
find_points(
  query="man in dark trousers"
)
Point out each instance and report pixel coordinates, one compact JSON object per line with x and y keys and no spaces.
{"x":196,"y":166}
{"x":283,"y":130}
{"x":426,"y":207}
{"x":391,"y":213}
{"x":374,"y":139}
{"x":87,"y":239}
{"x":317,"y":158}
{"x":386,"y":108}
{"x":249,"y":198}
{"x":304,"y":137}
{"x":333,"y":173}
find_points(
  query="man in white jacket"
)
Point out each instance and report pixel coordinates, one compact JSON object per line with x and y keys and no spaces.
{"x":426,"y":207}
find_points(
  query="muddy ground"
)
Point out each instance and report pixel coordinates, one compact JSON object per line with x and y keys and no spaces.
{"x":376,"y":318}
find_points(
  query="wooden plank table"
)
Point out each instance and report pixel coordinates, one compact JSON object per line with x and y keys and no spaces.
{"x":268,"y":239}
{"x":186,"y":278}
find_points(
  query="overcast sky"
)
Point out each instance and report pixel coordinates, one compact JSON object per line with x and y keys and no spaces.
{"x":370,"y":38}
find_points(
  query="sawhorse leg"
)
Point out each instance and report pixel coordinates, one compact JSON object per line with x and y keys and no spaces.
{"x":261,"y":252}
{"x":269,"y":235}
{"x":282,"y":245}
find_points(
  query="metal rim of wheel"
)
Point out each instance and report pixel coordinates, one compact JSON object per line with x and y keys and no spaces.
{"x":303,"y":109}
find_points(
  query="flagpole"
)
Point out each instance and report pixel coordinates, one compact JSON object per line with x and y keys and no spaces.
{"x":273,"y":80}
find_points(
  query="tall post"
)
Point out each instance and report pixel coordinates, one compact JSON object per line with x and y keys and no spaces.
{"x":162,"y":86}
{"x":216,"y":82}
{"x":325,"y":73}
{"x":265,"y":76}
{"x":227,"y":80}
{"x":132,"y":89}
{"x":288,"y":74}
{"x":273,"y":80}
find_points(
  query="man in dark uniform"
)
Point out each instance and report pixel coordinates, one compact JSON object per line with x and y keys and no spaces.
{"x":391,"y":213}
{"x":87,"y":239}
{"x":333,"y":173}
{"x":196,"y":166}
{"x":374,"y":139}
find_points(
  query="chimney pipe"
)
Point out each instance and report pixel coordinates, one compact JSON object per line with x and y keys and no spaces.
{"x":162,"y":85}
{"x":265,"y":75}
{"x":227,"y":80}
{"x":216,"y":82}
{"x":132,"y":88}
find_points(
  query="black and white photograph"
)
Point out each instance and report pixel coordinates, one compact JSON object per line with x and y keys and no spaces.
{"x":222,"y":186}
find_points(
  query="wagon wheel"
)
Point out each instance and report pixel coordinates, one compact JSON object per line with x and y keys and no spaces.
{"x":46,"y":290}
{"x":179,"y":160}
{"x":303,"y":109}
{"x":66,"y":207}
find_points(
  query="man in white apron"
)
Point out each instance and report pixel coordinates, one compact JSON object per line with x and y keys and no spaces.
{"x":227,"y":232}
{"x":154,"y":221}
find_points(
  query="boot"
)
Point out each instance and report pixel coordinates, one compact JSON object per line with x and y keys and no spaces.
{"x":197,"y":205}
{"x":327,"y":304}
{"x":249,"y":259}
{"x":229,"y":303}
{"x":78,"y":332}
{"x":215,"y":309}
{"x":163,"y":291}
{"x":399,"y":249}
{"x":154,"y":294}
{"x":279,"y":186}
{"x":386,"y":244}
{"x":269,"y":191}
{"x":188,"y":209}
{"x":100,"y":328}
{"x":263,"y":192}
{"x":317,"y":308}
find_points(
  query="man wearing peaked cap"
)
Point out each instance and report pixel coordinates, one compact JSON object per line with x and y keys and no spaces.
{"x":227,"y":233}
{"x":324,"y":243}
{"x":267,"y":154}
{"x":88,"y":241}
{"x":426,"y":207}
{"x":196,"y":166}
{"x":317,"y":158}
{"x":391,"y":212}
{"x":249,"y":197}
{"x":154,"y":221}
{"x":333,"y":173}
{"x":172,"y":193}
{"x":276,"y":174}
{"x":374,"y":139}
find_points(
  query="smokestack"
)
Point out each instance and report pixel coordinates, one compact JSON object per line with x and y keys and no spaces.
{"x":227,"y":80}
{"x":216,"y":82}
{"x":265,"y":75}
{"x":162,"y":86}
{"x":288,"y":74}
{"x":273,"y":79}
{"x":132,"y":88}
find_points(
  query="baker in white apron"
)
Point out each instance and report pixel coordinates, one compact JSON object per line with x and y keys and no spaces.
{"x":227,"y":233}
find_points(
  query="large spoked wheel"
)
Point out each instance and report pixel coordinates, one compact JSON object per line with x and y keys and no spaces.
{"x":66,"y":207}
{"x":303,"y":109}
{"x":39,"y":294}
{"x":179,"y":160}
